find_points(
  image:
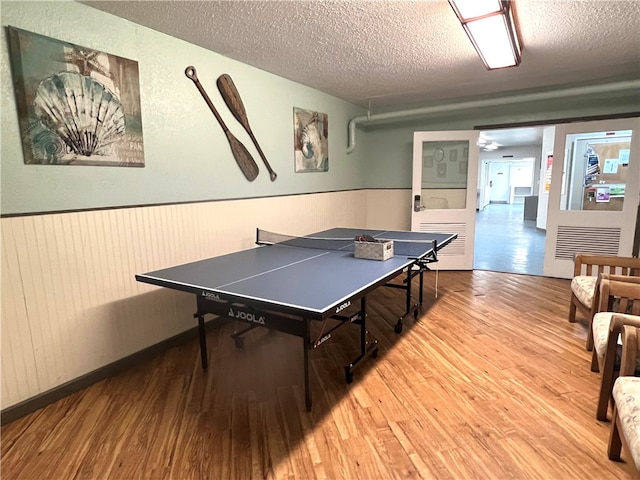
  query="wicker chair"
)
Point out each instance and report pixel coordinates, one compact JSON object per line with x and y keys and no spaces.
{"x":625,"y":425}
{"x":587,"y":273}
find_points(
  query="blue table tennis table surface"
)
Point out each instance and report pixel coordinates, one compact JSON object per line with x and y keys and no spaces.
{"x":309,"y":281}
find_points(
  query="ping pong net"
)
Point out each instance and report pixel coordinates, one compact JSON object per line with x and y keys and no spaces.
{"x":402,"y":247}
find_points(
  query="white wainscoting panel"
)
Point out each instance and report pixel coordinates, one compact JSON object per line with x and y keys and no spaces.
{"x":389,"y":209}
{"x":70,"y":302}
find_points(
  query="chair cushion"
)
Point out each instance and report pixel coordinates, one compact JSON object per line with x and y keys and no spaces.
{"x":626,"y":394}
{"x":600,"y":327}
{"x":584,"y":288}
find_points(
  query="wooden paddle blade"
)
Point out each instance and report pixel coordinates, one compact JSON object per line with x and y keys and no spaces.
{"x":232,"y":98}
{"x":243,"y":158}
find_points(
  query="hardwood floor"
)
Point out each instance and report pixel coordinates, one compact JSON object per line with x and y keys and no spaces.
{"x":492,"y":381}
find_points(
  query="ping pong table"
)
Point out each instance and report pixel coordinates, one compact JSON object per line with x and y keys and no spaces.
{"x":286,"y":283}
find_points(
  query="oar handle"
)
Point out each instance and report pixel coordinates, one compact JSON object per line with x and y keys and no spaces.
{"x":190,"y":72}
{"x":272,"y":174}
{"x":242,"y":156}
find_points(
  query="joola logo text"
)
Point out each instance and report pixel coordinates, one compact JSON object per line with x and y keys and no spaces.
{"x":213,"y":296}
{"x":322,"y":340}
{"x":247,"y":316}
{"x":343,"y":306}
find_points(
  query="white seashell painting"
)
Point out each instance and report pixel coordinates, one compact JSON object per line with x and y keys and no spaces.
{"x":311,"y":143}
{"x":76,"y":106}
{"x":81,"y":112}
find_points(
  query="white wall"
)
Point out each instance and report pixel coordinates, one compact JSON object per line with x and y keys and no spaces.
{"x":511,"y":155}
{"x":543,"y":195}
{"x":388,"y":209}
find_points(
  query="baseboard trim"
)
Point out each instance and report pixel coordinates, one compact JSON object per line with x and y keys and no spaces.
{"x":41,"y":400}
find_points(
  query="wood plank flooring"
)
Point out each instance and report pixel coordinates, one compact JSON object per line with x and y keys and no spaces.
{"x":491,"y":382}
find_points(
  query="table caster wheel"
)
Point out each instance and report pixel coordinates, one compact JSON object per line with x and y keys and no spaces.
{"x":415,"y":313}
{"x":398,"y":327}
{"x":374,"y":354}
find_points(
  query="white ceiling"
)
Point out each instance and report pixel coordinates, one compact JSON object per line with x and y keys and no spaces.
{"x":390,"y":54}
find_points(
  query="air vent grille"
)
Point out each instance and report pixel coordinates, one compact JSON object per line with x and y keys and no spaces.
{"x":455,"y":248}
{"x":592,"y":240}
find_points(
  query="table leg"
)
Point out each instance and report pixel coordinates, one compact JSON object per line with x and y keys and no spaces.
{"x":203,"y":341}
{"x":306,"y":345}
{"x":421,"y":283}
{"x":365,"y":347}
{"x":408,"y":299}
{"x":363,"y":326}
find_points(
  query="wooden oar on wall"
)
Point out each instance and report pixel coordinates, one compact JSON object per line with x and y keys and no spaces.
{"x":231,"y":97}
{"x":243,"y":158}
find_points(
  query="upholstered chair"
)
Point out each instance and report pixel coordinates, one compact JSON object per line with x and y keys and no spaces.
{"x":606,"y":307}
{"x":587,"y":273}
{"x":625,"y":425}
{"x":616,"y":297}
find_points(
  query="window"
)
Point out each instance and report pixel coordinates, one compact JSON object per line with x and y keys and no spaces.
{"x":595,"y":173}
{"x":444,"y":174}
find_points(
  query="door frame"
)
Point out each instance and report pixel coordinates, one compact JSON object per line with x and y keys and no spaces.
{"x":559,"y":263}
{"x":459,"y":254}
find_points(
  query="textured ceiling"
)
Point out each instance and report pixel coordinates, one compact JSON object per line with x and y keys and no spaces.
{"x":396,"y":53}
{"x":387,"y":55}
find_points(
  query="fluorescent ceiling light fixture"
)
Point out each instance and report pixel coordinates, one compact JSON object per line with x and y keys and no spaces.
{"x":491,"y":29}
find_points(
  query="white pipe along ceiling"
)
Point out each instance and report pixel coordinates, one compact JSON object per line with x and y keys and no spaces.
{"x":527,"y":97}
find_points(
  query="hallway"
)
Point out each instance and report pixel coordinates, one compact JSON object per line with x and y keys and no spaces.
{"x":504,"y":242}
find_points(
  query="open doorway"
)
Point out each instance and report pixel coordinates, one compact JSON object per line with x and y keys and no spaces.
{"x":508,"y":235}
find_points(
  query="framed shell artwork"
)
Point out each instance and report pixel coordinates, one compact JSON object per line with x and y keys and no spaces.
{"x":76,"y":106}
{"x":311,"y":141}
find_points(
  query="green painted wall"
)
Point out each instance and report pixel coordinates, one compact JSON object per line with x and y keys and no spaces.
{"x":389,"y":146}
{"x":187,"y":156}
{"x":186,"y":153}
